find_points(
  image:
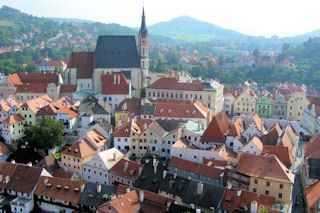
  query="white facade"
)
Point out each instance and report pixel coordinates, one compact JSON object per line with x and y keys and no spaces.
{"x":234,"y":144}
{"x":85,"y":120}
{"x":251,"y":148}
{"x":122,"y":143}
{"x":97,"y":169}
{"x":194,"y":155}
{"x":228,"y":104}
{"x":251,"y":130}
{"x":68,"y":122}
{"x":114,"y":100}
{"x":51,"y":207}
{"x":310,"y":122}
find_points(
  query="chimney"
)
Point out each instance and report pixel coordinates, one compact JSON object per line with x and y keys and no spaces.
{"x":164,"y":174}
{"x":98,"y":188}
{"x":238,"y":193}
{"x":198,"y":211}
{"x":29,"y":164}
{"x":126,"y":166}
{"x":254,"y":207}
{"x":118,"y":79}
{"x":198,"y":125}
{"x":199,"y":188}
{"x":140,"y":171}
{"x":45,"y":181}
{"x":13,"y":161}
{"x":114,"y":156}
{"x":114,"y":79}
{"x":154,"y":161}
{"x":82,"y":187}
{"x":141,"y":196}
{"x":155,"y":169}
{"x":229,"y":186}
{"x":175,"y":175}
{"x":192,"y":205}
{"x":127,"y":190}
{"x":113,"y":197}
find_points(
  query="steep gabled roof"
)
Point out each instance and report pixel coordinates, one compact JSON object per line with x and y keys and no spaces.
{"x":131,"y":172}
{"x":34,"y":78}
{"x":282,"y":153}
{"x":116,"y":52}
{"x":312,"y":149}
{"x":123,"y":130}
{"x":256,"y":141}
{"x":268,"y":167}
{"x":313,"y":195}
{"x":12,"y":119}
{"x":114,"y":84}
{"x":236,"y":128}
{"x":6,"y":172}
{"x":83,"y":62}
{"x":174,"y":84}
{"x":80,"y":149}
{"x":217,"y":129}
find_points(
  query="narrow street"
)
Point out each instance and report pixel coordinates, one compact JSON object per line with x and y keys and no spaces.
{"x":297,"y":191}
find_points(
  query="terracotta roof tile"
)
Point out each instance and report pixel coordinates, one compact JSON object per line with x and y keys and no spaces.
{"x":180,"y":110}
{"x":12,"y":119}
{"x":215,"y":163}
{"x":172,"y":83}
{"x":60,"y":189}
{"x":6,"y":172}
{"x":131,"y":105}
{"x":282,"y":153}
{"x":132,"y":170}
{"x":196,"y":168}
{"x":83,"y":62}
{"x":123,"y":131}
{"x":231,"y":202}
{"x":225,"y":152}
{"x":4,"y":149}
{"x":32,"y":88}
{"x":313,"y":195}
{"x":96,"y":138}
{"x":37,"y":103}
{"x":217,"y":129}
{"x":265,"y":166}
{"x":34,"y":78}
{"x":111,"y":84}
{"x":59,"y":173}
{"x":255,"y":140}
{"x":71,"y":113}
{"x":48,"y":110}
{"x":65,"y":88}
{"x":183,"y":143}
{"x":312,"y":149}
{"x":80,"y":149}
{"x":236,"y":128}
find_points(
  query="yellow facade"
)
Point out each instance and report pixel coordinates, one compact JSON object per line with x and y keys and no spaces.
{"x":281,"y":191}
{"x":17,"y":131}
{"x":121,"y":117}
{"x":296,"y":104}
{"x":245,"y":103}
{"x":74,"y":163}
{"x":139,"y":143}
{"x":28,"y":114}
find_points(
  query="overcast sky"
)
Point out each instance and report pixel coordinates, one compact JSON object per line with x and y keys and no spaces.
{"x":253,"y":17}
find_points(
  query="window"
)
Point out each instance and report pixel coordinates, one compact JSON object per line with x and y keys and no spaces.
{"x":254,"y":190}
{"x":268,"y":183}
{"x":280,"y":195}
{"x":281,"y":186}
{"x":255,"y":181}
{"x":267,"y":192}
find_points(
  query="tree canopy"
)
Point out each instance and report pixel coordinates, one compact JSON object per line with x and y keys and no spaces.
{"x":46,"y":134}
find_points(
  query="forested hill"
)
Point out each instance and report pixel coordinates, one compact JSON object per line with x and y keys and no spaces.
{"x":16,"y":26}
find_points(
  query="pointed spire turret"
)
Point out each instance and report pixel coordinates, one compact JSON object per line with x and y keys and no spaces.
{"x":143,"y":29}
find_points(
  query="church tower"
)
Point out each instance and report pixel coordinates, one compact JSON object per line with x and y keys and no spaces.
{"x":143,"y":50}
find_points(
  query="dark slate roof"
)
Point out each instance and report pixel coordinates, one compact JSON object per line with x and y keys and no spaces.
{"x":170,"y":125}
{"x":148,"y":180}
{"x":182,"y":209}
{"x":103,"y":124}
{"x":90,"y":196}
{"x":91,"y":105}
{"x":143,"y":29}
{"x":314,"y":168}
{"x":116,"y":52}
{"x":148,"y":109}
{"x":211,"y":196}
{"x":175,"y":186}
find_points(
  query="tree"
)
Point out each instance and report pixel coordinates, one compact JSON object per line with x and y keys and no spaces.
{"x":256,"y":53}
{"x":221,"y":60}
{"x":32,"y":68}
{"x":47,"y":134}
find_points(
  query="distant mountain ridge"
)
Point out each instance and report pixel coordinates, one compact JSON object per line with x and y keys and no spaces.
{"x":72,"y":20}
{"x":188,"y":27}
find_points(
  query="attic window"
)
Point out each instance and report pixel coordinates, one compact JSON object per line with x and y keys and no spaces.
{"x":76,"y":150}
{"x":76,"y":189}
{"x":126,"y":131}
{"x":69,"y":149}
{"x":169,"y":111}
{"x":66,"y":188}
{"x":187,"y":112}
{"x":193,"y":112}
{"x":59,"y":187}
{"x":161,"y":111}
{"x":49,"y":185}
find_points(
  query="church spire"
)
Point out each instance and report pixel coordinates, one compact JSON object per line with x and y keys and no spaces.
{"x":143,"y":29}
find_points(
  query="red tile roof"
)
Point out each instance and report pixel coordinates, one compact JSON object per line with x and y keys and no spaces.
{"x":152,"y":202}
{"x":80,"y":149}
{"x":111,"y":84}
{"x":6,"y":172}
{"x":34,"y":78}
{"x":60,"y":189}
{"x":68,"y":88}
{"x":123,"y":131}
{"x":37,"y":103}
{"x":180,"y":110}
{"x":131,"y":105}
{"x":4,"y":149}
{"x":172,"y":83}
{"x":313,"y":195}
{"x":62,"y":174}
{"x":195,"y":168}
{"x":215,"y":163}
{"x":83,"y":62}
{"x":32,"y":88}
{"x":12,"y":119}
{"x":48,"y":110}
{"x":312,"y":149}
{"x":231,"y":202}
{"x":282,"y":153}
{"x":132,"y":171}
{"x":268,"y":167}
{"x":54,"y":63}
{"x":71,"y":113}
{"x":217,"y":128}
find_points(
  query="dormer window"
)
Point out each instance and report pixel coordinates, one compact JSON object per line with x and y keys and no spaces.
{"x":161,"y":111}
{"x":187,"y":111}
{"x":193,"y":112}
{"x":169,"y":111}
